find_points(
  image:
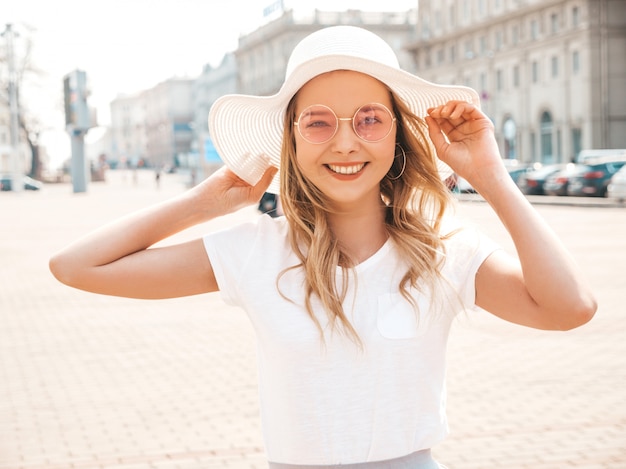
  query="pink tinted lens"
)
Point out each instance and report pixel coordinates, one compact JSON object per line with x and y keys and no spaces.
{"x":317,"y":124}
{"x":372,"y":122}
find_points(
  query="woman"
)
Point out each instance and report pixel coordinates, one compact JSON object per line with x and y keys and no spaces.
{"x":352,"y":292}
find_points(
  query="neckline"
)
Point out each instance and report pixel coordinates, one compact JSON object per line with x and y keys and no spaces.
{"x":373,"y":259}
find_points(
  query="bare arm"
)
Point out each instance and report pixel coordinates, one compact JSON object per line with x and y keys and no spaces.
{"x":543,"y":288}
{"x":117,"y":259}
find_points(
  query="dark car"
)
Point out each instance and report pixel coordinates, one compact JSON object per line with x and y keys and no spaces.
{"x":556,"y":184}
{"x":30,"y":184}
{"x":531,"y":182}
{"x":593,"y":179}
{"x":515,"y":170}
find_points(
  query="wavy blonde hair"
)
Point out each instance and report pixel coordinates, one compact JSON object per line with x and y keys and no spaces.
{"x":416,"y":203}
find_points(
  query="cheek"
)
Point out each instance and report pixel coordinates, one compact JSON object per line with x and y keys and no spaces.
{"x":307,"y":158}
{"x":389,"y":153}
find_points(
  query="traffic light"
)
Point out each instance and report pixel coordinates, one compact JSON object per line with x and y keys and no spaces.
{"x":75,"y":100}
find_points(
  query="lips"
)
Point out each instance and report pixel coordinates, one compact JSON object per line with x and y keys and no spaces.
{"x":346,"y":169}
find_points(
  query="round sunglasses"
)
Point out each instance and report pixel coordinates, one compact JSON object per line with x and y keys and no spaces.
{"x":371,"y":123}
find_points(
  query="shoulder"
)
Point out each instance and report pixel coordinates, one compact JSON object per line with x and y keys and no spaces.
{"x":465,"y":244}
{"x":259,"y":229}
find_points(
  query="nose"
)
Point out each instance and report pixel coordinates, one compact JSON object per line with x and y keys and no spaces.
{"x":345,"y":140}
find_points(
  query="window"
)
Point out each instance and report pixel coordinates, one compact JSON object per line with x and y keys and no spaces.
{"x":452,"y":13}
{"x":516,"y":76}
{"x":452,"y":53}
{"x":555,"y":67}
{"x":515,"y":35}
{"x":577,"y":139}
{"x":509,"y":130}
{"x":534,"y":29}
{"x":554,"y":23}
{"x":575,"y":62}
{"x":440,"y":56}
{"x":425,"y":28}
{"x":499,"y":80}
{"x":546,"y":138}
{"x":575,"y":17}
{"x":466,"y":10}
{"x":469,"y":53}
{"x":482,"y":45}
{"x":498,"y":40}
{"x":535,"y":71}
{"x":481,"y":8}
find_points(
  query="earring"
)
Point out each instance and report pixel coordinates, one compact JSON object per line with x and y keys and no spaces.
{"x":395,"y":178}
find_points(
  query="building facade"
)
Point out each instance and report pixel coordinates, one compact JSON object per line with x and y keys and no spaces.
{"x":168,"y":118}
{"x":210,"y":85}
{"x":154,"y":127}
{"x":551,"y":73}
{"x":128,"y":131}
{"x":262,"y":55}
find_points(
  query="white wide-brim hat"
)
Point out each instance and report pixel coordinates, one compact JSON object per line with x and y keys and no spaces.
{"x":247,"y":131}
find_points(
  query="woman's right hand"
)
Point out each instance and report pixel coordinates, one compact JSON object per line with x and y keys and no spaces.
{"x":224,"y":192}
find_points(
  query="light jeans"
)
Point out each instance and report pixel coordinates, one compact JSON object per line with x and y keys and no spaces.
{"x":418,"y":460}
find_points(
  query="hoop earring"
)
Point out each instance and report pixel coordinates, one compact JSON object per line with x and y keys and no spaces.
{"x":395,"y":178}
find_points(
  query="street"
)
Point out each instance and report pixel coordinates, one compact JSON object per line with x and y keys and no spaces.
{"x":89,"y":381}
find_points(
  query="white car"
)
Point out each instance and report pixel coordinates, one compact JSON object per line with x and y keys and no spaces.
{"x":617,"y":186}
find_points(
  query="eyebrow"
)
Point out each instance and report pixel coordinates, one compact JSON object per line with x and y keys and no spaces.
{"x":320,"y":112}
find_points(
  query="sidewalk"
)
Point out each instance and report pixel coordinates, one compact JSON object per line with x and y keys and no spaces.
{"x":89,"y":381}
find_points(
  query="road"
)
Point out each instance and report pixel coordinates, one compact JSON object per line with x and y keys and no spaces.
{"x":89,"y":381}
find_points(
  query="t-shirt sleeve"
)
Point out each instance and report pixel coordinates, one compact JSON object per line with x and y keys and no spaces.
{"x":466,"y":250}
{"x":246,"y":258}
{"x":229,"y":251}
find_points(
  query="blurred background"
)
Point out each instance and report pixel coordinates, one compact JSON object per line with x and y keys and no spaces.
{"x":128,"y":84}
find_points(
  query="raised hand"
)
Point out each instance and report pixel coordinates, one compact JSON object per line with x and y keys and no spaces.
{"x":464,"y":139}
{"x":224,"y":192}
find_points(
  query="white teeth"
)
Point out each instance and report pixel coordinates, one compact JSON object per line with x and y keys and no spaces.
{"x":347,"y":169}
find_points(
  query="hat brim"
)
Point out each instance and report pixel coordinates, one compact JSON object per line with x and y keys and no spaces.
{"x":247,"y":131}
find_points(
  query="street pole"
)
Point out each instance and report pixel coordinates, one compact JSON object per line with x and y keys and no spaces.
{"x":16,"y":168}
{"x":78,"y":165}
{"x":77,"y":122}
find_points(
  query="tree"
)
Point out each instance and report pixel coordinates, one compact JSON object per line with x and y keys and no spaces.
{"x":28,"y":124}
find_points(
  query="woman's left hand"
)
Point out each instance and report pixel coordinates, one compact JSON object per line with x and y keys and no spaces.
{"x":464,"y":139}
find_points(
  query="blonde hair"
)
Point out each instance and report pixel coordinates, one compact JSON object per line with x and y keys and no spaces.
{"x":416,"y":204}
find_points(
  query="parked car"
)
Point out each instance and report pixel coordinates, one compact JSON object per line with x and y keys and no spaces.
{"x":517,"y":172}
{"x":594,"y":179}
{"x":514,"y":168}
{"x":531,"y":182}
{"x":617,"y":186}
{"x":556,"y":184}
{"x":30,"y":184}
{"x":463,"y":187}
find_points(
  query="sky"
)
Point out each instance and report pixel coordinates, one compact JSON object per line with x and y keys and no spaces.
{"x":125,"y":46}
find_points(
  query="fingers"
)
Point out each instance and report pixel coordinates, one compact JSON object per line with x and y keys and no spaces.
{"x":455,"y":111}
{"x":267,"y":177}
{"x":436,"y":133}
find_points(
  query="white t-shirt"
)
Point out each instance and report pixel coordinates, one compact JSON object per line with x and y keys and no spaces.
{"x":332,"y":402}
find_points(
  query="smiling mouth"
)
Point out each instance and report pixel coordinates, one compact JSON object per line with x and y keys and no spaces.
{"x":353,"y":169}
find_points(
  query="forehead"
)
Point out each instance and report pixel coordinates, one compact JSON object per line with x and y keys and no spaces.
{"x":343,"y":91}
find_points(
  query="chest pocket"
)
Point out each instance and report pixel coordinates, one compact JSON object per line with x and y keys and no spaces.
{"x":398,"y":319}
